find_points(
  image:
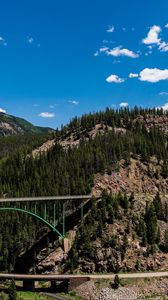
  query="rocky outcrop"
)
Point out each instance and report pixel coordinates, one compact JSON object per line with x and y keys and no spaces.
{"x":138,"y":177}
{"x":151,"y":120}
{"x":43,"y":148}
{"x":109,"y":260}
{"x":51,"y":262}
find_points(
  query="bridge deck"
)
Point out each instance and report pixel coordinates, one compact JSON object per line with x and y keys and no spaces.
{"x":47,"y":198}
{"x":40,"y":277}
{"x":50,"y":277}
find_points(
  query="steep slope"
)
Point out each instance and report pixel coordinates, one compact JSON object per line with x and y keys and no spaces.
{"x":121,"y":241}
{"x":137,"y":176}
{"x":11,"y":125}
{"x":125,"y":234}
{"x":122,"y":152}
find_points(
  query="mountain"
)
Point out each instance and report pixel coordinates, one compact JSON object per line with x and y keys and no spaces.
{"x":11,"y":125}
{"x":121,"y":156}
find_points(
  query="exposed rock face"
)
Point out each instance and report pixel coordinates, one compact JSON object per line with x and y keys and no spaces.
{"x":138,"y":177}
{"x":52,"y":261}
{"x":161,"y":122}
{"x":43,"y":148}
{"x":113,"y":262}
{"x":10,"y":129}
{"x":7,"y":129}
{"x":72,"y":139}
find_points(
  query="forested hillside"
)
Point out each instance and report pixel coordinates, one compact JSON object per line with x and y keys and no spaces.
{"x":91,"y":145}
{"x":11,"y":125}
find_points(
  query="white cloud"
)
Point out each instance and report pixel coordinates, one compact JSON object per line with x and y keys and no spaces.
{"x":96,"y":53}
{"x":103,"y":49}
{"x":115,"y":79}
{"x":73,"y":102}
{"x":163,"y":93}
{"x":108,"y":42}
{"x":116,"y":61}
{"x":51,"y":106}
{"x":2,"y":110}
{"x":119,"y":51}
{"x":153,"y":75}
{"x":36,"y":105}
{"x":148,"y":53}
{"x":105,"y":41}
{"x":163,"y":47}
{"x":133,"y":75}
{"x":47,"y":115}
{"x":123,"y":104}
{"x":110,"y":28}
{"x":152,"y":36}
{"x":165,"y":106}
{"x":30,"y":40}
{"x":2,"y":41}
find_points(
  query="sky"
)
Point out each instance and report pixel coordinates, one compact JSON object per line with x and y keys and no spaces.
{"x":62,"y":58}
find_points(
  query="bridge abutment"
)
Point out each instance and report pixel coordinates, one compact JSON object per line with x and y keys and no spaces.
{"x":75,"y":282}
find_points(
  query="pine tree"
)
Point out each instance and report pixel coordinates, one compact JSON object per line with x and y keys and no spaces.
{"x":158,"y":206}
{"x":132,"y":200}
{"x":116,"y":283}
{"x":151,"y":223}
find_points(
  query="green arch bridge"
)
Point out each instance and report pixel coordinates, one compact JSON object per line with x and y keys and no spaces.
{"x":49,"y":210}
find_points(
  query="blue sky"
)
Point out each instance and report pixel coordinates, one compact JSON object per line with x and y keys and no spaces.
{"x":63,"y":58}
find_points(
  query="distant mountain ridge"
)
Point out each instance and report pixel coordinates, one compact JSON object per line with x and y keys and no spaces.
{"x":11,"y":125}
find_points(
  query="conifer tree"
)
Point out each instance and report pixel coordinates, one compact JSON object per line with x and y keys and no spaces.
{"x":151,"y":223}
{"x":116,"y":283}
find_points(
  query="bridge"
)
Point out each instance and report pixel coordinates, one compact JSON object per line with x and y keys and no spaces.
{"x":50,"y":210}
{"x":54,"y":212}
{"x":71,"y":281}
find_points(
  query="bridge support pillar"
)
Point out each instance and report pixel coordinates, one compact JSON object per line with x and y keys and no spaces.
{"x":29,"y":285}
{"x":54,"y":285}
{"x":66,"y":245}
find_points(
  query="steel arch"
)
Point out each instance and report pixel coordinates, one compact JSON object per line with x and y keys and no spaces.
{"x":34,"y":215}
